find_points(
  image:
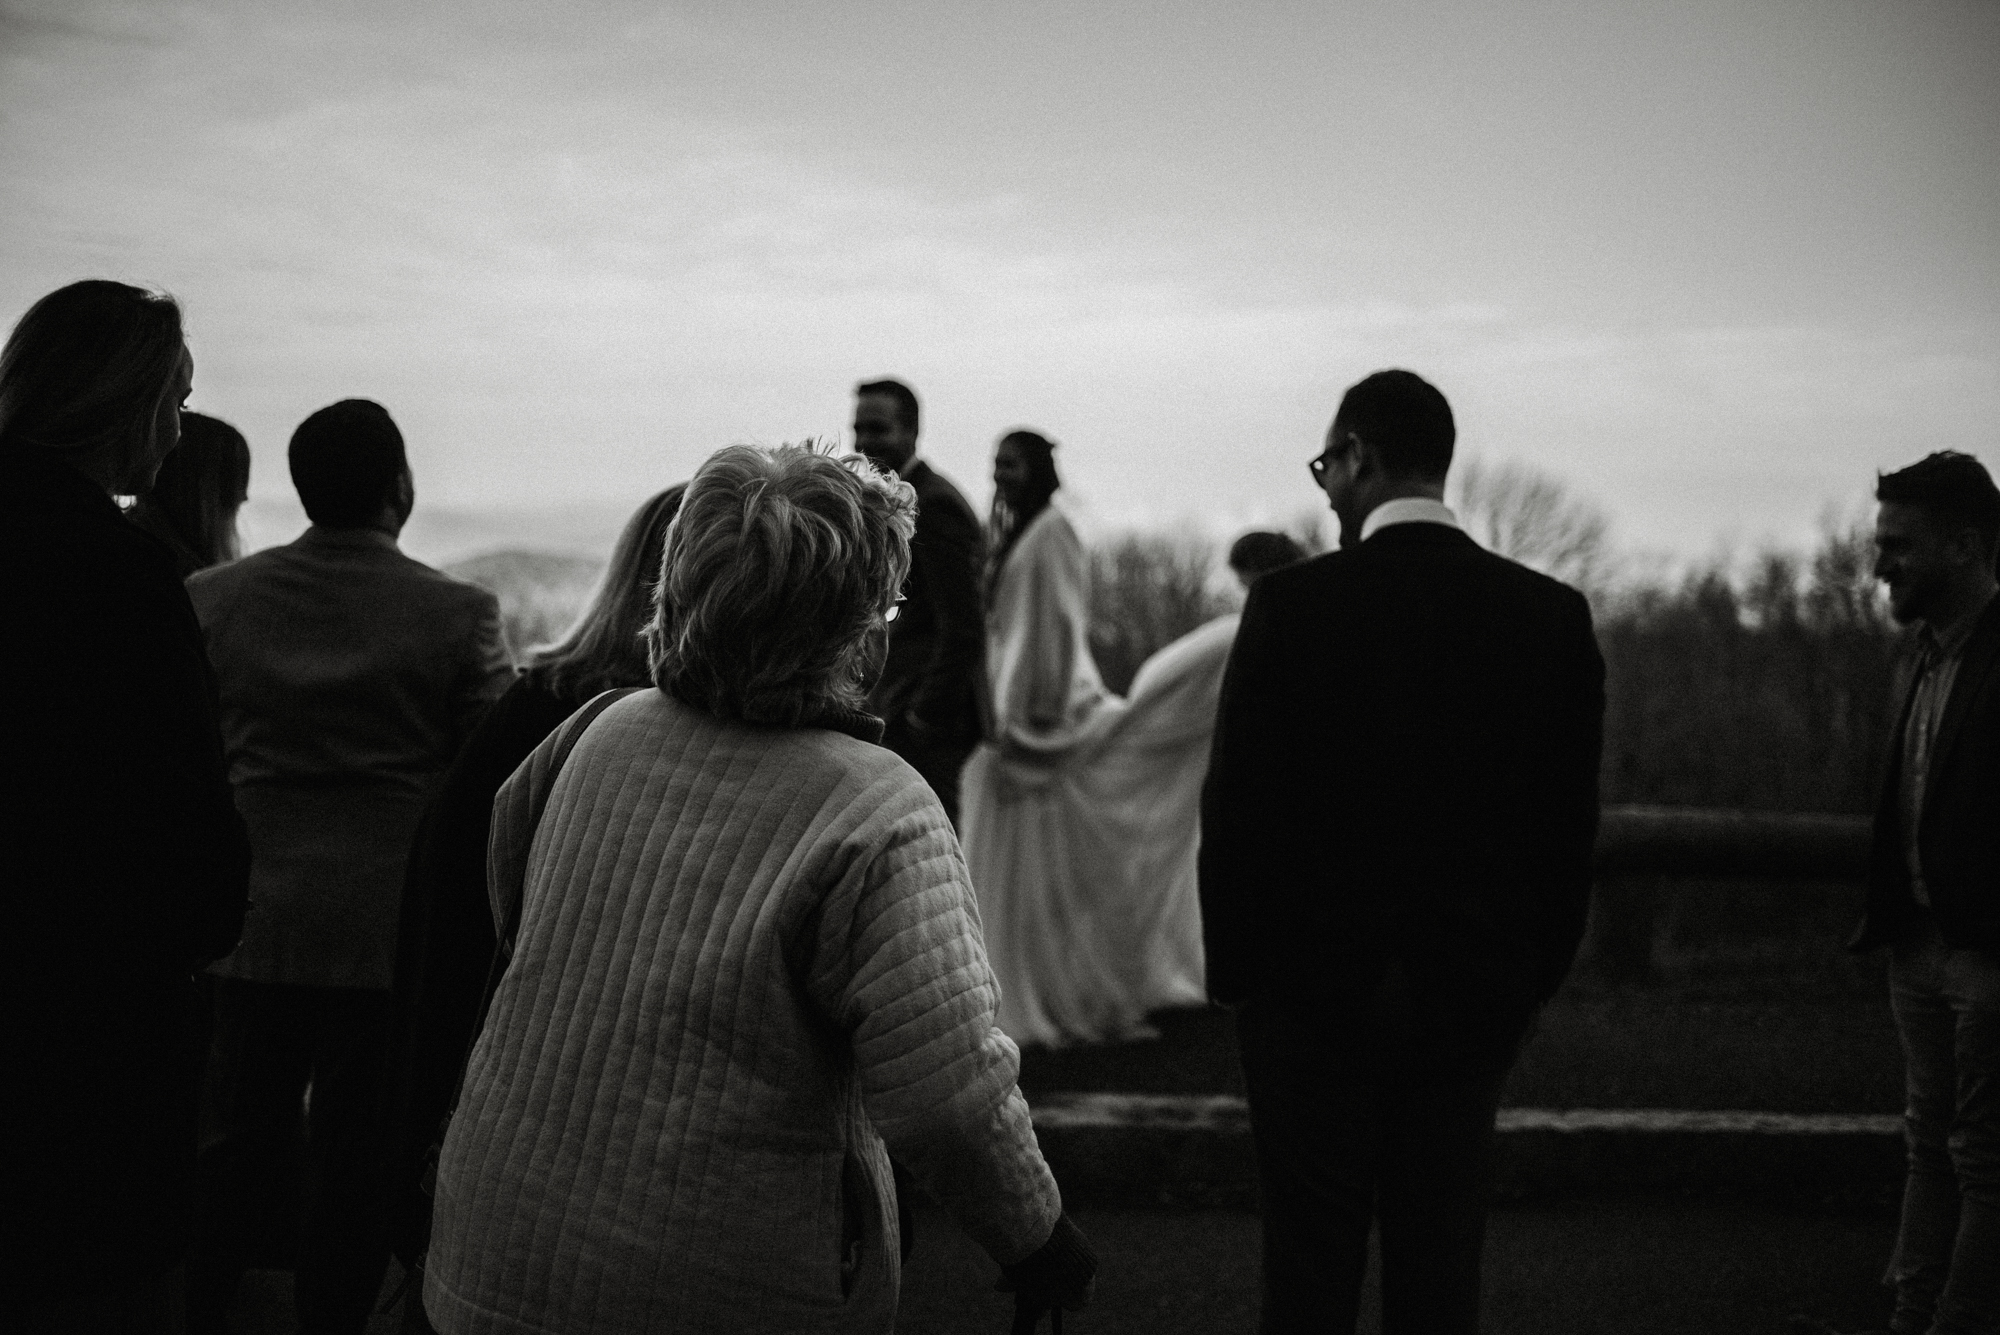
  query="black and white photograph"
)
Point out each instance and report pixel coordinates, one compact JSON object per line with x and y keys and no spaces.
{"x":1168,"y":668}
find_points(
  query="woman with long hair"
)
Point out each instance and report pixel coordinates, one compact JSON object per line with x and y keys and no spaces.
{"x":195,"y":496}
{"x":126,"y":863}
{"x":1081,"y":812}
{"x":747,"y":969}
{"x":445,"y":939}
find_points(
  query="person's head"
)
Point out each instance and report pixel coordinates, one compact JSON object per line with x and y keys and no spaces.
{"x":1024,"y":478}
{"x":885,"y":423}
{"x":606,"y":646}
{"x":1937,"y":526}
{"x":95,"y":375}
{"x":1391,"y":437}
{"x":1259,"y":553}
{"x":778,"y":577}
{"x":1024,"y":470}
{"x":201,"y":486}
{"x":348,"y":464}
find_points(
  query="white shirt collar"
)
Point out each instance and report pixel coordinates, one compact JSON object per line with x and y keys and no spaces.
{"x":1407,"y":510}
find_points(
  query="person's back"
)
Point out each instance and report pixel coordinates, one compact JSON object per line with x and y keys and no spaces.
{"x":1395,"y":866}
{"x":349,"y":674}
{"x":705,"y":895}
{"x":122,"y":857}
{"x":1430,"y":783}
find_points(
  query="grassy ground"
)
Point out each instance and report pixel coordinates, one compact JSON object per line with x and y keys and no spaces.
{"x":1753,"y":1003}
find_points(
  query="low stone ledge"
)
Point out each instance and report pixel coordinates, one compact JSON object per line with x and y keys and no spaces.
{"x":1138,"y":1149}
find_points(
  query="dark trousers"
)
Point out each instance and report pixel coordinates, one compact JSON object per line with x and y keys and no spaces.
{"x":272,"y":1043}
{"x":1374,"y":1112}
{"x":1946,"y":1269}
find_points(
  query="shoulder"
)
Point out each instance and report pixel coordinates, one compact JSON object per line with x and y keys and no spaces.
{"x":209,"y":589}
{"x":938,"y":498}
{"x":1531,"y":587}
{"x":1303,"y":580}
{"x":436,"y":586}
{"x":1051,"y":528}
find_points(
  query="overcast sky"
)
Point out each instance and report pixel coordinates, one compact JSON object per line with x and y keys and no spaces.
{"x":1712,"y":263}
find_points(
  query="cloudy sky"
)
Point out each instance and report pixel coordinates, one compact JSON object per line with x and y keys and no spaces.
{"x":1712,"y":263}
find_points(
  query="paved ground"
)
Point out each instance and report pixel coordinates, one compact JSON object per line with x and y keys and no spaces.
{"x":1825,"y":1051}
{"x":1578,"y":1267}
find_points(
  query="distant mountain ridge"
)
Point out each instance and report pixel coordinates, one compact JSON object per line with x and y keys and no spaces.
{"x":540,"y":593}
{"x":439,"y":533}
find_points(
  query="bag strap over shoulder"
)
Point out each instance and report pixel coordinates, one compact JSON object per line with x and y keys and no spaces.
{"x":567,"y":736}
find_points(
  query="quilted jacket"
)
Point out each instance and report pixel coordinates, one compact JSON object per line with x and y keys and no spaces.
{"x":748,"y":957}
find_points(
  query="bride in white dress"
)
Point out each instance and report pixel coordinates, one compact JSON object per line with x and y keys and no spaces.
{"x":1080,"y":815}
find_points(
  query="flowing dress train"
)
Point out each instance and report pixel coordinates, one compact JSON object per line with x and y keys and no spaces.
{"x":1081,"y":817}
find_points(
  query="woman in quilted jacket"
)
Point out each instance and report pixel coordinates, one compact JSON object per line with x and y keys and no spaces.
{"x":747,"y":969}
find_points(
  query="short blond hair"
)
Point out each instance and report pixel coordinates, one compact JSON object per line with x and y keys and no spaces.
{"x":776,"y":571}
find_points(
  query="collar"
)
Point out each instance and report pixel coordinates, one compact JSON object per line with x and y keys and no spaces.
{"x":856,"y":724}
{"x":318,"y":535}
{"x":51,"y":476}
{"x":1407,"y":510}
{"x":1940,"y":644}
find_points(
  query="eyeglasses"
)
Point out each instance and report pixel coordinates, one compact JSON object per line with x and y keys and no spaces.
{"x":1318,"y":464}
{"x":895,"y":609}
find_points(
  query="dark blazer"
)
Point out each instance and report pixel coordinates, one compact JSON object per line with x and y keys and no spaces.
{"x":937,"y":647}
{"x":1958,"y":835}
{"x":350,"y":675}
{"x":1405,"y":766}
{"x":124,"y":866}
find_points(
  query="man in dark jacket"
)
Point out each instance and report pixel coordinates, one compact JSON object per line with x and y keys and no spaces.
{"x":350,"y":674}
{"x":1395,"y":864}
{"x":1934,"y":886}
{"x":928,"y":693}
{"x":121,"y":854}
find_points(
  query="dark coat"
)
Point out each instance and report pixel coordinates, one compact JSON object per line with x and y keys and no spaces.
{"x":444,"y":943}
{"x":1405,"y":767}
{"x":125,"y":868}
{"x":937,"y":648}
{"x":1958,"y":835}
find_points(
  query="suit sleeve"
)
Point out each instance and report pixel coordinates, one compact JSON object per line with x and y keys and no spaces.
{"x":1571,"y":799}
{"x":1237,"y":806}
{"x":488,"y":671}
{"x":949,"y":550}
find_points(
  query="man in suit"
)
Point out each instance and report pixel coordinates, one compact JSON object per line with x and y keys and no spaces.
{"x":928,"y":693}
{"x":1395,"y":864}
{"x":1934,"y":886}
{"x":349,"y":675}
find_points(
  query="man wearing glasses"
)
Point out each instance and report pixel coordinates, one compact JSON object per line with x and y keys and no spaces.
{"x":1395,"y":862}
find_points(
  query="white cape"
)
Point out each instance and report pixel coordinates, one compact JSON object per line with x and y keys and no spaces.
{"x":1081,"y":822}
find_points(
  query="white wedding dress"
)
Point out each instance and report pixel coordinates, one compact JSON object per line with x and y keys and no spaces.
{"x":1080,"y":819}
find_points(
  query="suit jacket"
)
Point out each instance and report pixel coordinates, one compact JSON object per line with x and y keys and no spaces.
{"x":350,"y":674}
{"x":124,"y":867}
{"x":936,"y":662}
{"x":1405,"y":767}
{"x":1958,"y":833}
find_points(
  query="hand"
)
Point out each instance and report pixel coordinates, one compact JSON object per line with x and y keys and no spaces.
{"x":1061,"y":1274}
